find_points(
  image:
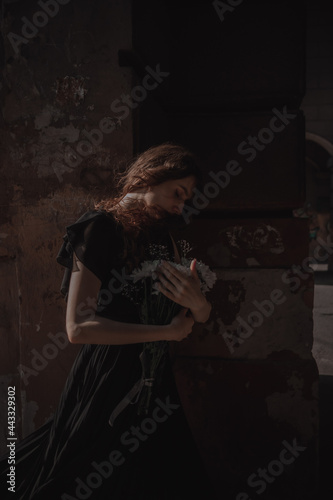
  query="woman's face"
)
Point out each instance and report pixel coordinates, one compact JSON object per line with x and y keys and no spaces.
{"x":171,"y":195}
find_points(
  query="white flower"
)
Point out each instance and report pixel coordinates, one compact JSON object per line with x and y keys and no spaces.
{"x":206,"y":274}
{"x":147,"y":269}
{"x":156,"y":290}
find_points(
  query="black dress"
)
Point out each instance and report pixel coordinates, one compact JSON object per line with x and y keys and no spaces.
{"x":77,"y":454}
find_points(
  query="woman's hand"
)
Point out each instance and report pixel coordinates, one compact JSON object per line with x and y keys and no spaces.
{"x":184,"y":290}
{"x":181,"y":326}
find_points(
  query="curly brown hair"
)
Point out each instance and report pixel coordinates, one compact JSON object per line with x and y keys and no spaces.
{"x":167,"y":161}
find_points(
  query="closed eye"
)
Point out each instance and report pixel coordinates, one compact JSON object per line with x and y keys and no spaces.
{"x":185,"y":194}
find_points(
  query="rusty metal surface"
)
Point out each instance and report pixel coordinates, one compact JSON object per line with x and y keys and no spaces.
{"x":248,"y":243}
{"x":254,"y":314}
{"x":241,"y":415}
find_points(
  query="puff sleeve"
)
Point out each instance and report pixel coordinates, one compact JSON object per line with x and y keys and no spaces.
{"x":95,"y":239}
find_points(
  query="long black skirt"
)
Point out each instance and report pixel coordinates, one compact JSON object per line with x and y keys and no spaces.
{"x":79,"y":455}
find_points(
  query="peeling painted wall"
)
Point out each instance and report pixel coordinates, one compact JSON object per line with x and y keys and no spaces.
{"x":60,"y":142}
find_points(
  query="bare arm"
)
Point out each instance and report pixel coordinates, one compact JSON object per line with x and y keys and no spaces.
{"x":89,"y":328}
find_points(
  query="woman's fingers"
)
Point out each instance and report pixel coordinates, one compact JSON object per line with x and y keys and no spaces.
{"x":177,"y":286}
{"x":183,"y":324}
{"x":167,"y":277}
{"x":171,"y":282}
{"x":179,"y":279}
{"x":193,"y":268}
{"x":166,"y":283}
{"x":171,"y":271}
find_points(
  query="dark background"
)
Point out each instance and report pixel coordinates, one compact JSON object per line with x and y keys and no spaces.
{"x":230,"y":71}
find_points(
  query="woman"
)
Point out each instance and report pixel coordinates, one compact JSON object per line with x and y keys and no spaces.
{"x":98,"y":445}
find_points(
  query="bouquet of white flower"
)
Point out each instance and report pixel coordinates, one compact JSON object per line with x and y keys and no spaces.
{"x":156,"y":309}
